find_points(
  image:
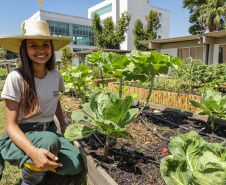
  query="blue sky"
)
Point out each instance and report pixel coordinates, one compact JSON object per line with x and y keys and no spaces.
{"x":13,"y":12}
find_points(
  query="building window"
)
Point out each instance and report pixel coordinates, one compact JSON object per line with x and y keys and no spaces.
{"x":103,"y":10}
{"x":160,"y":14}
{"x":159,"y":36}
{"x":77,"y":49}
{"x":160,"y":25}
{"x":81,"y":34}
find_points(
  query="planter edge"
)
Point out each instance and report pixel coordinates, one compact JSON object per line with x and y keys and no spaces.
{"x":95,"y":173}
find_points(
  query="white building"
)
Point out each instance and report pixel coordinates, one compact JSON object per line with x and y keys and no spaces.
{"x":138,"y":10}
{"x":80,"y":29}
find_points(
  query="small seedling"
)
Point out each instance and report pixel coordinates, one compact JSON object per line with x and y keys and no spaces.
{"x":141,"y":150}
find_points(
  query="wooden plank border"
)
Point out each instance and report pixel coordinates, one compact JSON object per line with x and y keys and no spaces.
{"x":96,"y":174}
{"x":169,"y":99}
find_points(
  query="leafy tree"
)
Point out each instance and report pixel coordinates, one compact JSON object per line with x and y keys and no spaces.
{"x":66,"y":57}
{"x":3,"y":53}
{"x":139,"y":34}
{"x":206,"y":14}
{"x":194,"y":9}
{"x":11,"y":55}
{"x":213,"y":14}
{"x":109,"y":35}
{"x":147,"y":33}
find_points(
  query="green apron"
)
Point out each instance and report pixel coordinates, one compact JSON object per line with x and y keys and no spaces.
{"x":67,"y":154}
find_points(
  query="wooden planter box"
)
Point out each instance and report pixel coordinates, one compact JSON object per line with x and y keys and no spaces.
{"x":106,"y":81}
{"x":168,"y":99}
{"x":96,"y":174}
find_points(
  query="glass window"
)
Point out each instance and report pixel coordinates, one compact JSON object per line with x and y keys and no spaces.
{"x":82,"y":35}
{"x":103,"y":10}
{"x":159,"y":36}
{"x":160,"y":14}
{"x":77,"y":49}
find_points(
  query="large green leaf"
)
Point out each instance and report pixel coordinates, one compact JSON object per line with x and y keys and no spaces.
{"x":151,"y":64}
{"x":78,"y":131}
{"x":122,"y":133}
{"x":213,"y":170}
{"x":174,"y":170}
{"x":214,"y":105}
{"x":77,"y":116}
{"x":197,"y":104}
{"x":194,"y":161}
{"x":117,"y":112}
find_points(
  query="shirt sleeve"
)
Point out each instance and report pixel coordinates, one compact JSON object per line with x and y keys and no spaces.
{"x":12,"y":87}
{"x":61,"y":84}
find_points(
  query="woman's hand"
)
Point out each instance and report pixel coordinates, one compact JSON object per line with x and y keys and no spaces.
{"x":43,"y":159}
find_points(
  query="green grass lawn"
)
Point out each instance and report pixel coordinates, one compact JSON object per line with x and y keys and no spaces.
{"x":3,"y":73}
{"x":11,"y":174}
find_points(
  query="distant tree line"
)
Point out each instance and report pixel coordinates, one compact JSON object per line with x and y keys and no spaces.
{"x":206,"y":15}
{"x":7,"y":55}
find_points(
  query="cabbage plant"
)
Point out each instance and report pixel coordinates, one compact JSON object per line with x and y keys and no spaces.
{"x":79,"y":78}
{"x":194,"y":161}
{"x":108,"y":115}
{"x":97,"y":60}
{"x":214,"y":105}
{"x":149,"y":65}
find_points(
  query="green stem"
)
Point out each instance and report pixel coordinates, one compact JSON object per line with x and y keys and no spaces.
{"x":148,"y":97}
{"x":102,"y":79}
{"x":106,"y":148}
{"x":212,"y":123}
{"x":120,"y":88}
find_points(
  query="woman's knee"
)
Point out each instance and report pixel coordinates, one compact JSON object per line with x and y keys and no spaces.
{"x":71,"y":166}
{"x":50,"y":142}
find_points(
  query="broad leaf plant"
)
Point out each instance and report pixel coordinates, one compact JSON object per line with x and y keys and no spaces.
{"x":194,"y":161}
{"x":151,"y":65}
{"x":78,"y":78}
{"x":108,"y":115}
{"x":214,"y":105}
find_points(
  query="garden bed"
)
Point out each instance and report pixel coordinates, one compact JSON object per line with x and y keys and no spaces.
{"x":129,"y":167}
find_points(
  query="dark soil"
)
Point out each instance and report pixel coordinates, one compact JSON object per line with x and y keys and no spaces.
{"x":130,"y":168}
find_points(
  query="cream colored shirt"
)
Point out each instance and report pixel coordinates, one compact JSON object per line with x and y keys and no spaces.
{"x":47,"y":91}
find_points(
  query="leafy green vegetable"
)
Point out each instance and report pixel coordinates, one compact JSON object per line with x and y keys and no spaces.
{"x":214,"y":105}
{"x":77,"y":77}
{"x":107,"y":113}
{"x":149,"y":65}
{"x":194,"y":161}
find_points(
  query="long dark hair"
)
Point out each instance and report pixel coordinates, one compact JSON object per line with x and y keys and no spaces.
{"x":29,"y":95}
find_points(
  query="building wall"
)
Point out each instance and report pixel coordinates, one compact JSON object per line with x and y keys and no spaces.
{"x":70,"y":20}
{"x":138,"y":10}
{"x":164,"y":19}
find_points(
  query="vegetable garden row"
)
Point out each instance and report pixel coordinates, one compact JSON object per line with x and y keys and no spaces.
{"x":107,"y":118}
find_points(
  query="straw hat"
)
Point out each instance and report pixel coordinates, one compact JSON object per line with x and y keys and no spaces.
{"x":32,"y":30}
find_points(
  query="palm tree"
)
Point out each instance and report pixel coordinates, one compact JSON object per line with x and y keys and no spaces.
{"x":213,"y":14}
